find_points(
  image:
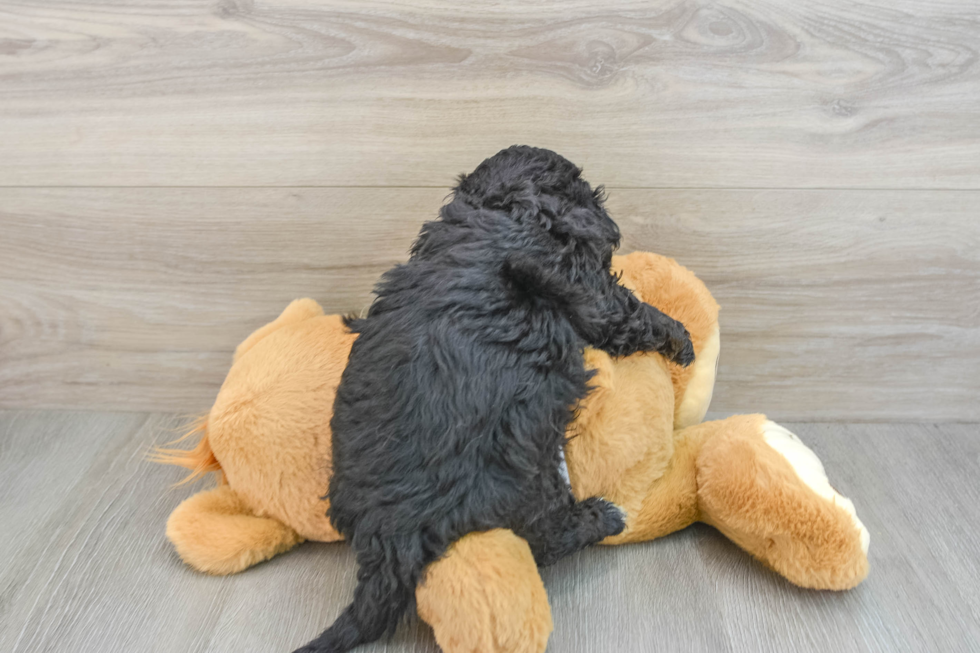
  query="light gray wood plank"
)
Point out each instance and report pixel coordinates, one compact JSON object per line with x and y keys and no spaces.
{"x":644,"y":94}
{"x":47,"y":453}
{"x":857,"y":305}
{"x":649,"y":596}
{"x":91,"y":570}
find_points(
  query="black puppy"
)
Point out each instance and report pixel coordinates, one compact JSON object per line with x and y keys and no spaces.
{"x":451,"y":414}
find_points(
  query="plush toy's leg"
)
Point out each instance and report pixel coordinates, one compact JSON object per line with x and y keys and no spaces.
{"x":766,"y":491}
{"x":485,"y":596}
{"x":669,"y":502}
{"x":214,"y":532}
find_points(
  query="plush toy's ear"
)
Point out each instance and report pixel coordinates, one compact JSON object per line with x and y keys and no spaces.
{"x":297,"y":311}
{"x":675,"y":290}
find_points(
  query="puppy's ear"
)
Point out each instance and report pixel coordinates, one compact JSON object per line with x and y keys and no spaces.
{"x":528,"y":275}
{"x":538,"y":281}
{"x":587,"y":224}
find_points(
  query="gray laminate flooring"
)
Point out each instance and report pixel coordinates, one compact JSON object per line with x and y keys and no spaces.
{"x":85,"y":566}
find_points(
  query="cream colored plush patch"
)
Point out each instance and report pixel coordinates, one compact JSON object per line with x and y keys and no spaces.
{"x":563,"y":468}
{"x":810,"y":470}
{"x":697,"y":395}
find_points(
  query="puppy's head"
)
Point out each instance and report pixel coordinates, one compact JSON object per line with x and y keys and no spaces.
{"x":553,"y":213}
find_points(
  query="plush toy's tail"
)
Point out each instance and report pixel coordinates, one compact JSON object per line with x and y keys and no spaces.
{"x":200,"y":460}
{"x":214,"y":531}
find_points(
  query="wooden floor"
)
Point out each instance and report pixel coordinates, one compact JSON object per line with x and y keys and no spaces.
{"x":86,"y":566}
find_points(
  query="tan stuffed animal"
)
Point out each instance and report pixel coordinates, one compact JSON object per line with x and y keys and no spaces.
{"x":639,"y":443}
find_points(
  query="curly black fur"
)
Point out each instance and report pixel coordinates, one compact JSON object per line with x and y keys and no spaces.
{"x":451,"y":414}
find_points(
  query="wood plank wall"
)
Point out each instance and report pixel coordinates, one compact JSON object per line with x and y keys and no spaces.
{"x":172,"y":172}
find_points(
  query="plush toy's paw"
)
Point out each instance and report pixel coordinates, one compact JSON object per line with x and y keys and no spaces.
{"x":765,"y":490}
{"x":810,"y":470}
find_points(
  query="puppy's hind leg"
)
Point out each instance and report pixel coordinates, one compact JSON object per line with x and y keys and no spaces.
{"x":570,"y":526}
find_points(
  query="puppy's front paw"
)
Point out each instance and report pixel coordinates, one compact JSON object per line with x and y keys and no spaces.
{"x":678,"y":347}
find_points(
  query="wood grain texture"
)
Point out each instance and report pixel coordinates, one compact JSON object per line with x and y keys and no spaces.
{"x":674,"y":93}
{"x":858,"y":305}
{"x":87,"y":567}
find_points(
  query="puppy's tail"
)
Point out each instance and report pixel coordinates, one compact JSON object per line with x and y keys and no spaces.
{"x":389,"y":572}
